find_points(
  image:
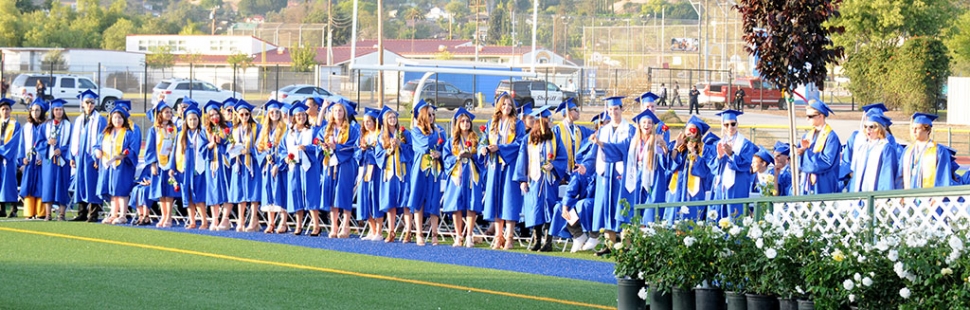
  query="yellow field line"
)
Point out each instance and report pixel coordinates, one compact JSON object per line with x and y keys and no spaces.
{"x":305,"y":267}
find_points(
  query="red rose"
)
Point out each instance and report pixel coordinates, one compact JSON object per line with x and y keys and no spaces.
{"x":440,"y":140}
{"x":57,"y":122}
{"x":269,"y":145}
{"x":177,"y":187}
{"x":316,"y":141}
{"x":664,"y":127}
{"x":550,"y":156}
{"x":171,"y":129}
{"x":125,"y":152}
{"x":402,"y":129}
{"x":693,"y":130}
{"x":290,"y":156}
{"x":482,"y":128}
{"x":226,"y":130}
{"x":468,"y":143}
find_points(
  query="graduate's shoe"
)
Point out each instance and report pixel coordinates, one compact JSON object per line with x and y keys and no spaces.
{"x":13,"y":213}
{"x":546,"y":239}
{"x":578,"y":243}
{"x":605,"y":250}
{"x":81,"y":217}
{"x":3,"y":211}
{"x":591,"y":244}
{"x":390,"y":237}
{"x":535,"y":242}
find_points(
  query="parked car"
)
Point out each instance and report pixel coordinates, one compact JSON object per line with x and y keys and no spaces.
{"x":537,"y":92}
{"x":441,"y":94}
{"x":201,"y":91}
{"x":62,"y":86}
{"x":757,"y":93}
{"x":299,"y":92}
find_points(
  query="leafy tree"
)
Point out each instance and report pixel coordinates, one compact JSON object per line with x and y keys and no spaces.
{"x":160,"y":57}
{"x":10,"y":22}
{"x":25,"y":6}
{"x":53,"y":60}
{"x":303,"y":58}
{"x":115,"y":36}
{"x":239,"y":61}
{"x":499,"y":25}
{"x":190,"y":28}
{"x":868,"y":69}
{"x":917,"y":74}
{"x":958,"y":42}
{"x":887,"y":22}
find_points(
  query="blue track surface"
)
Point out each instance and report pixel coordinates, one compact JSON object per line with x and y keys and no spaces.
{"x":571,"y":268}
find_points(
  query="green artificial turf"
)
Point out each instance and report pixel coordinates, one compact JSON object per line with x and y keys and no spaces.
{"x":52,"y":272}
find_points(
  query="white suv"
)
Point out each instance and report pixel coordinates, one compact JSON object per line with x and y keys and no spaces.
{"x":176,"y":89}
{"x":64,"y":86}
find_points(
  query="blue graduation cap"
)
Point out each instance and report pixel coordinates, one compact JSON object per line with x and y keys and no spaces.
{"x":271,"y":105}
{"x":417,"y":107}
{"x":373,"y":113}
{"x":212,"y":105}
{"x":820,"y":106}
{"x":462,"y":111}
{"x":41,"y":103}
{"x":7,"y":102}
{"x":647,"y":97}
{"x":878,"y":118}
{"x":243,"y":105}
{"x":87,"y":94}
{"x":346,"y":104}
{"x":710,"y":138}
{"x":526,"y":109}
{"x":649,"y":114}
{"x":58,"y":103}
{"x":349,"y":104}
{"x":729,"y":115}
{"x":614,"y":101}
{"x":193,"y":109}
{"x":875,"y":106}
{"x":765,"y":156}
{"x":499,"y":98}
{"x":601,"y":117}
{"x":189,"y":102}
{"x":229,"y":102}
{"x":542,"y":112}
{"x":124,"y":104}
{"x":285,"y":108}
{"x":298,"y":107}
{"x":924,"y":119}
{"x":702,"y":127}
{"x":120,"y":109}
{"x":782,"y":148}
{"x":566,"y":105}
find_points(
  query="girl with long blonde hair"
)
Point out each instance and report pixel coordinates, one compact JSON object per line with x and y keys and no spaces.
{"x":271,"y":167}
{"x":394,"y":156}
{"x":338,"y":142}
{"x":425,"y":198}
{"x":503,"y":199}
{"x":464,"y":181}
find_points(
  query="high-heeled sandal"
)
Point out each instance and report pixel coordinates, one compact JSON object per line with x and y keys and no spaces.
{"x":420,"y":241}
{"x":458,"y":242}
{"x":406,"y":238}
{"x":108,"y":220}
{"x":498,"y":242}
{"x":270,"y":229}
{"x":390,"y":237}
{"x":434,"y":240}
{"x":283,"y":229}
{"x":508,"y":243}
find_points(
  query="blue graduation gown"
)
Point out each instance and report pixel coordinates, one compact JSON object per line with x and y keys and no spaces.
{"x":572,"y":140}
{"x":394,"y":164}
{"x":192,"y":178}
{"x":10,"y":144}
{"x":824,"y":165}
{"x":739,"y":164}
{"x":303,"y":171}
{"x":217,"y":186}
{"x":30,"y":180}
{"x":425,"y":192}
{"x":644,"y":186}
{"x":537,"y":204}
{"x":681,"y":167}
{"x":464,"y":181}
{"x":609,"y":163}
{"x":117,"y":178}
{"x":874,"y":167}
{"x":784,"y":181}
{"x":339,"y":172}
{"x":160,"y":188}
{"x":56,"y":170}
{"x":368,"y":190}
{"x":578,"y":196}
{"x":245,"y":179}
{"x":502,"y":197}
{"x":83,"y":139}
{"x":140,"y":194}
{"x":272,"y":191}
{"x":914,"y":165}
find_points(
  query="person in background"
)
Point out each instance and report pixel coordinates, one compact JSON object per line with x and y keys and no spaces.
{"x":4,"y":87}
{"x":117,"y":150}
{"x":819,"y":152}
{"x":54,"y":149}
{"x":84,"y":135}
{"x":10,"y":144}
{"x":30,"y":189}
{"x":676,"y":96}
{"x":693,"y":104}
{"x":464,"y":182}
{"x":782,"y":169}
{"x":663,"y":95}
{"x":573,"y":216}
{"x":762,"y":176}
{"x":159,"y":160}
{"x":925,"y":162}
{"x":140,"y":200}
{"x":41,"y":88}
{"x":500,"y":144}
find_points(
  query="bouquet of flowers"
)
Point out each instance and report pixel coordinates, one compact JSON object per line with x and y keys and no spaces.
{"x":228,"y":134}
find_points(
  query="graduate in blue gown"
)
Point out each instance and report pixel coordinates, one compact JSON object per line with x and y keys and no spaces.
{"x":159,"y":161}
{"x":647,"y":101}
{"x":732,"y":167}
{"x":393,"y":155}
{"x":272,"y":167}
{"x":117,"y":149}
{"x":464,"y":181}
{"x":245,"y":178}
{"x":577,"y":206}
{"x":691,"y":160}
{"x":875,"y":165}
{"x":819,"y":153}
{"x":140,"y":198}
{"x":126,"y":105}
{"x":608,"y":162}
{"x":647,"y":166}
{"x":711,"y":140}
{"x":763,"y":178}
{"x":782,"y":168}
{"x":227,"y":110}
{"x":10,"y":142}
{"x":571,"y":135}
{"x":925,"y":163}
{"x":427,"y":142}
{"x":55,"y":169}
{"x":31,"y":159}
{"x":84,"y":134}
{"x":303,"y":171}
{"x":339,"y":140}
{"x":190,"y":165}
{"x":216,"y":131}
{"x":500,"y":145}
{"x":368,"y":189}
{"x":539,"y":169}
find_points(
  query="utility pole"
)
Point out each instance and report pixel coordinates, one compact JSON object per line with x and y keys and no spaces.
{"x":380,"y":53}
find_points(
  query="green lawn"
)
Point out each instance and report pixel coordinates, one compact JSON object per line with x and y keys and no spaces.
{"x":159,"y":269}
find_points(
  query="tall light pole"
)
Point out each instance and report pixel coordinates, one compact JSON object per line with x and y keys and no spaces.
{"x":565,"y":31}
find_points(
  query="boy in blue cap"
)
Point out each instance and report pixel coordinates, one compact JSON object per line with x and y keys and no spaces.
{"x":925,"y":163}
{"x":10,"y":141}
{"x":571,"y":136}
{"x":819,"y":153}
{"x":732,"y":168}
{"x":782,"y":169}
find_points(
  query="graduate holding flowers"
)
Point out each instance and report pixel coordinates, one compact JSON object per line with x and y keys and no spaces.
{"x":244,"y":174}
{"x":337,"y":143}
{"x":425,"y":197}
{"x":647,"y":165}
{"x":368,"y":189}
{"x":303,"y":172}
{"x":500,"y":144}
{"x":117,"y":150}
{"x":394,"y":155}
{"x":217,"y":132}
{"x":54,"y":149}
{"x":190,"y":165}
{"x":463,"y":177}
{"x":540,"y":167}
{"x":160,"y":159}
{"x":272,"y":166}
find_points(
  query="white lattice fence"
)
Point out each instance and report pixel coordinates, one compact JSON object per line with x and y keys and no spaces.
{"x":850,"y":215}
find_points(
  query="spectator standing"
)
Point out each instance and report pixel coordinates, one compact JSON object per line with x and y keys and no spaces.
{"x":693,"y":105}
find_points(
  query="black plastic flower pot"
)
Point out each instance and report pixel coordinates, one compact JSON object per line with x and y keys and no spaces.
{"x":627,"y":294}
{"x":762,"y":302}
{"x":709,"y":298}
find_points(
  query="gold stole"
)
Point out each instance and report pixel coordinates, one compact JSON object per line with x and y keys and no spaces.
{"x":7,"y":135}
{"x":118,"y":144}
{"x":493,"y":137}
{"x":180,"y":153}
{"x":246,"y":144}
{"x":456,"y":172}
{"x":927,"y":166}
{"x":824,"y":135}
{"x":161,"y":135}
{"x":693,"y":182}
{"x":370,"y":137}
{"x":568,"y":142}
{"x":392,"y":164}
